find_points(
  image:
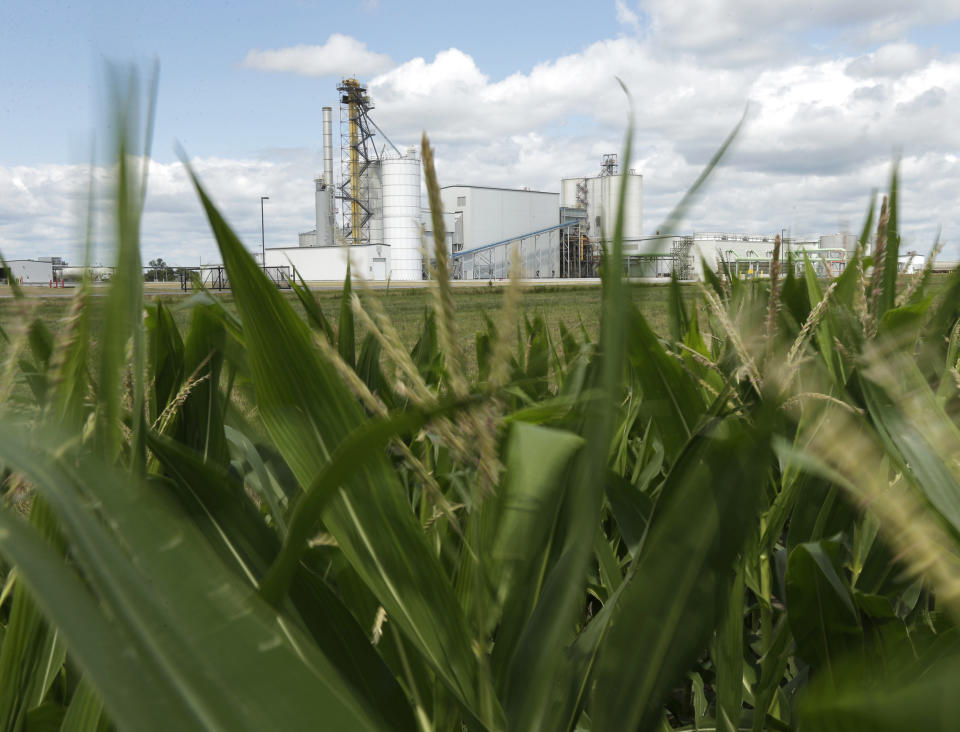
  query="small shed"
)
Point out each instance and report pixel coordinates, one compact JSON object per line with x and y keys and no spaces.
{"x":29,"y":271}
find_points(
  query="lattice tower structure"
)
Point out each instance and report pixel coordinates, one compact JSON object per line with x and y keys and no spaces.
{"x":359,"y":162}
{"x":608,"y":165}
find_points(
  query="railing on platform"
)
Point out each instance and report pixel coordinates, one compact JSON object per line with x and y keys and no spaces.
{"x":215,"y":277}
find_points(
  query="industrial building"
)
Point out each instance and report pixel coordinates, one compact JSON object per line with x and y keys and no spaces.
{"x":751,"y":254}
{"x":372,"y":217}
{"x":29,"y":271}
{"x":380,"y":230}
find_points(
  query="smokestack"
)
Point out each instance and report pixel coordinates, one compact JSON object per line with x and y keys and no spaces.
{"x":329,"y":214}
{"x":327,"y":146}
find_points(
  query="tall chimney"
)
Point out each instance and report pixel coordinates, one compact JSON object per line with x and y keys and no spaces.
{"x":327,"y":179}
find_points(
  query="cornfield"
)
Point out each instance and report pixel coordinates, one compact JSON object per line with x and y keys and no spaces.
{"x":750,"y":522}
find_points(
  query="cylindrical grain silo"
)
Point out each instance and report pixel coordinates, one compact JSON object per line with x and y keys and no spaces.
{"x":603,"y":198}
{"x":372,"y":186}
{"x":568,"y":192}
{"x":401,"y":215}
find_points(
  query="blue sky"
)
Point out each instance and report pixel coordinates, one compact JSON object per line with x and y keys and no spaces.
{"x":52,"y":59}
{"x":511,"y":93}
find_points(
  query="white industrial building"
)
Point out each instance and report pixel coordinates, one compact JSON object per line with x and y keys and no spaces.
{"x":29,"y":271}
{"x":489,"y":223}
{"x":367,"y":261}
{"x":483,"y":215}
{"x":751,"y":254}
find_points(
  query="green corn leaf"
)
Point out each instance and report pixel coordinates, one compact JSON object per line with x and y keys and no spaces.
{"x":891,"y":254}
{"x":676,"y":593}
{"x":371,"y":435}
{"x":670,"y":397}
{"x":938,"y":328}
{"x":216,"y":500}
{"x":308,"y":411}
{"x":867,"y":229}
{"x":346,"y":336}
{"x":728,"y":658}
{"x":137,"y":696}
{"x":905,"y":319}
{"x":123,"y":316}
{"x":368,"y":369}
{"x":677,"y":309}
{"x":35,"y":368}
{"x":203,"y":354}
{"x":85,"y":712}
{"x":312,"y":308}
{"x":898,"y":401}
{"x":261,"y":479}
{"x":711,"y":278}
{"x":611,"y":575}
{"x":525,"y":513}
{"x":909,"y":694}
{"x":822,"y":614}
{"x":569,"y":343}
{"x":539,"y":668}
{"x":71,"y":378}
{"x":773,"y":664}
{"x":794,"y":297}
{"x":631,"y":508}
{"x":32,"y":654}
{"x":199,"y":638}
{"x":165,"y":350}
{"x":426,"y":351}
{"x":826,"y":329}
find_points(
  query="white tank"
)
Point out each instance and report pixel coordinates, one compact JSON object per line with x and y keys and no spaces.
{"x":601,"y":195}
{"x":568,"y":191}
{"x":603,"y":199}
{"x":401,"y":215}
{"x":371,"y":183}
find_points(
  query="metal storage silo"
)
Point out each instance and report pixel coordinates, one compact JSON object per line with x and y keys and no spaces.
{"x":603,"y":201}
{"x":401,"y":215}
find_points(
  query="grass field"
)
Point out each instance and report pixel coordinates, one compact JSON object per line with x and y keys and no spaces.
{"x":571,"y":305}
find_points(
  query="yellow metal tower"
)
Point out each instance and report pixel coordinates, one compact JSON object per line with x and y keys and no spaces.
{"x":357,"y":155}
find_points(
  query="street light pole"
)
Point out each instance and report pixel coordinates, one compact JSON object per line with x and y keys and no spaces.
{"x":263,"y":249}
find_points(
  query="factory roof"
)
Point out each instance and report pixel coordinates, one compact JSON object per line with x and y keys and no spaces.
{"x":499,"y":188}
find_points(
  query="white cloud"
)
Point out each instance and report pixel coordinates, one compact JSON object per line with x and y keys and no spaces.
{"x":739,"y":31}
{"x":893,"y":59}
{"x":627,"y":16}
{"x":43,"y":208}
{"x":340,"y":56}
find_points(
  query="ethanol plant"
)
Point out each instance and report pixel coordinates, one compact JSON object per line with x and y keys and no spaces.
{"x":379,"y":200}
{"x":371,"y":216}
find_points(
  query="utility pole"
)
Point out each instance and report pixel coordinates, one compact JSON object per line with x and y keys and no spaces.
{"x":263,"y":246}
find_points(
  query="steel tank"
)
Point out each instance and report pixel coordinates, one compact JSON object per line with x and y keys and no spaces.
{"x":400,"y":179}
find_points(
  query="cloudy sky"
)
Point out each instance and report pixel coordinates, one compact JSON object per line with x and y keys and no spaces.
{"x":512,"y":94}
